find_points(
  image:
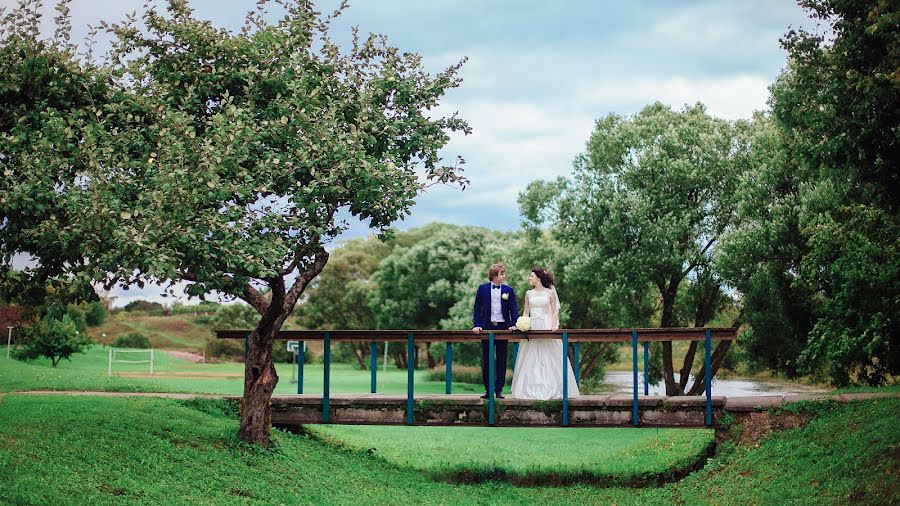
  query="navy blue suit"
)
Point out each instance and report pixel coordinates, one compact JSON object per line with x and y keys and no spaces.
{"x":481,"y":317}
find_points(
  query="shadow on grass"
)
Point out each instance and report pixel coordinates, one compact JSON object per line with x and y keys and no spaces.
{"x":473,"y":475}
{"x":543,"y":478}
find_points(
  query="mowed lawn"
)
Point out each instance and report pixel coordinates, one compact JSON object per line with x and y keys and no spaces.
{"x":615,"y":453}
{"x":89,"y":371}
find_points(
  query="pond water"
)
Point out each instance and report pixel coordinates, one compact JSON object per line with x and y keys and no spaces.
{"x":621,"y":382}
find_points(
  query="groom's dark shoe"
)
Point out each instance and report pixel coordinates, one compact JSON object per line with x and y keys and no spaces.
{"x":499,"y":395}
{"x":484,"y":395}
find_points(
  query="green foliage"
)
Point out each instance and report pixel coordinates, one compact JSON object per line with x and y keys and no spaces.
{"x":837,"y":106}
{"x":761,"y":255}
{"x":641,"y":214}
{"x":215,"y":158}
{"x":53,"y":339}
{"x":132,"y":340}
{"x":231,"y":349}
{"x":95,"y":314}
{"x":143,"y":305}
{"x":235,"y":316}
{"x":417,"y":286}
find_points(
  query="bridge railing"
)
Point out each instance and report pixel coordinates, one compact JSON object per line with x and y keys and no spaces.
{"x":568,"y":336}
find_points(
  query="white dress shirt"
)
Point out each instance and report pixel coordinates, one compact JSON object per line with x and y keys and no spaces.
{"x":496,"y":311}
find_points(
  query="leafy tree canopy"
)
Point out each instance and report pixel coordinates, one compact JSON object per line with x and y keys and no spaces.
{"x":221,"y":159}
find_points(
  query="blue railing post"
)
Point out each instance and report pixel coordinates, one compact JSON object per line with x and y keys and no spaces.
{"x":301,"y":357}
{"x":646,"y":368}
{"x":373,"y":359}
{"x":410,"y":376}
{"x":491,"y":379}
{"x":565,"y":378}
{"x":708,"y":380}
{"x":576,"y":362}
{"x":634,"y":356}
{"x":515,"y":355}
{"x":449,"y":364}
{"x":326,"y":386}
{"x":246,"y":347}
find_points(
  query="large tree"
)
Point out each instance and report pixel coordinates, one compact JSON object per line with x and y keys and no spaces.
{"x":761,"y":256}
{"x":838,"y":107}
{"x":222,"y":159}
{"x":645,"y":207}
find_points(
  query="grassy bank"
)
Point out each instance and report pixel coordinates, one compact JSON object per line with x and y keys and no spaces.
{"x":75,"y":450}
{"x":529,"y":455}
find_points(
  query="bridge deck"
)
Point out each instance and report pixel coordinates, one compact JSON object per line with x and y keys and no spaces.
{"x":470,"y":409}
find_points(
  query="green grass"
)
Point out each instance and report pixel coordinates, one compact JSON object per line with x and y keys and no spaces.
{"x":88,"y":371}
{"x":76,"y":450}
{"x":80,"y":450}
{"x":530,"y":454}
{"x":895,"y":388}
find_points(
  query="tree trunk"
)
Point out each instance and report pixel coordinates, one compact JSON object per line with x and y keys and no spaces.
{"x":399,"y":357}
{"x":359,"y":351}
{"x":588,"y":365}
{"x":718,"y":356}
{"x":260,"y":380}
{"x":668,"y":367}
{"x":432,"y":363}
{"x":685,"y":372}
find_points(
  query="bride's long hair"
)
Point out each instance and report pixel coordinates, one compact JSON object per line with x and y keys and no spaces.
{"x":544,"y":275}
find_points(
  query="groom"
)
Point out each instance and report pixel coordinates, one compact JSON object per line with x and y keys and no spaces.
{"x":495,"y":309}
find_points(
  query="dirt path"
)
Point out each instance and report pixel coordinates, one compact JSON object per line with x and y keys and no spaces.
{"x":195,"y":358}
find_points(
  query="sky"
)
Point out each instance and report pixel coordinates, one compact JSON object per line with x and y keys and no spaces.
{"x":540,"y":73}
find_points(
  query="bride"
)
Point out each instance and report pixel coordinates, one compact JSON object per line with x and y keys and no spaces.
{"x":538,"y":367}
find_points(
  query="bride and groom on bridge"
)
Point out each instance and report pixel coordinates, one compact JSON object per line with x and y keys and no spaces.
{"x":537,"y":372}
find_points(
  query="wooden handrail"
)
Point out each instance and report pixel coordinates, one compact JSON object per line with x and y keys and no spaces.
{"x":580,"y":335}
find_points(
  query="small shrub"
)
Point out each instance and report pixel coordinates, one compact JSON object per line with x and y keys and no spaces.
{"x":132,"y":340}
{"x":95,"y":314}
{"x":231,"y":349}
{"x":53,"y":339}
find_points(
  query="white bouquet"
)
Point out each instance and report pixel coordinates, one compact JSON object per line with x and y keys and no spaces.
{"x":523,"y":324}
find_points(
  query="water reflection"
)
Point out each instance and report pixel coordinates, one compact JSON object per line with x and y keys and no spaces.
{"x":622,"y":382}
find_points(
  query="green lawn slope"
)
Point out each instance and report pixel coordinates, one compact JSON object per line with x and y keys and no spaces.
{"x":56,"y":449}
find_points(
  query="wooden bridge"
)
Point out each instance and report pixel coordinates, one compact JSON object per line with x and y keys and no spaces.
{"x":454,"y":409}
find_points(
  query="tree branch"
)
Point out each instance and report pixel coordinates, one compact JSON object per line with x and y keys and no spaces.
{"x":699,"y":256}
{"x":303,"y":280}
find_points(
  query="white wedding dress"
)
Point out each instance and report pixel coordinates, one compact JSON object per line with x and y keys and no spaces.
{"x":537,"y":373}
